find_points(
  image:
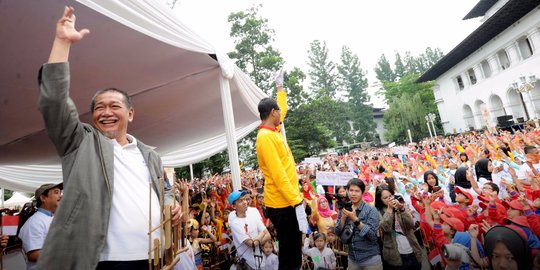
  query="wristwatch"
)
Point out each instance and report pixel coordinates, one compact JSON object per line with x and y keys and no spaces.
{"x":356,"y":222}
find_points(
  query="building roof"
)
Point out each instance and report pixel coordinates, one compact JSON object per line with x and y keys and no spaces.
{"x":480,"y":9}
{"x":378,"y":112}
{"x":501,"y":20}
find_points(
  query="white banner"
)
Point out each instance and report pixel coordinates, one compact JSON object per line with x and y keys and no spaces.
{"x":313,"y":160}
{"x":400,"y":150}
{"x":334,"y":178}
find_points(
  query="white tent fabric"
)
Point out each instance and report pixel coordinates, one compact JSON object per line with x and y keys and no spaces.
{"x":171,"y":74}
{"x":17,"y":199}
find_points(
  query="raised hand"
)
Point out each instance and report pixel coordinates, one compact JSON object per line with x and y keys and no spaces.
{"x":278,"y":77}
{"x":486,"y":226}
{"x":65,"y":27}
{"x":473,"y":230}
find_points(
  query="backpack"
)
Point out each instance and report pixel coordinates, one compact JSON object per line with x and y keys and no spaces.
{"x":27,"y":211}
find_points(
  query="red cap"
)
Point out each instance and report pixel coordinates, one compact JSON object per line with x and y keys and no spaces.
{"x":437,"y":205}
{"x":483,"y":205}
{"x":467,"y":194}
{"x":453,"y":222}
{"x":456,"y":213}
{"x":515,"y":204}
{"x":519,"y":220}
{"x":536,"y":194}
{"x":485,"y":199}
{"x":453,"y":212}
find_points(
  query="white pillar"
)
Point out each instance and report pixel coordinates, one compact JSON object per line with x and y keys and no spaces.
{"x":493,"y":64}
{"x":478,"y":73}
{"x":513,"y":53}
{"x":230,"y":131}
{"x":466,"y":79}
{"x":534,"y":38}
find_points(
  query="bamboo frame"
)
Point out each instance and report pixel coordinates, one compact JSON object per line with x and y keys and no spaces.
{"x":164,"y":254}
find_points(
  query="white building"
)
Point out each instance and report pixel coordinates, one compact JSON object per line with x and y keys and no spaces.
{"x":378,"y":118}
{"x":478,"y":74}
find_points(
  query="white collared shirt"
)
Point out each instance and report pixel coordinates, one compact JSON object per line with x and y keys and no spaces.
{"x":127,"y":234}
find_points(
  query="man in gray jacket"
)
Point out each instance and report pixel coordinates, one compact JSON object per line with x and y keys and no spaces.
{"x":102,"y":221}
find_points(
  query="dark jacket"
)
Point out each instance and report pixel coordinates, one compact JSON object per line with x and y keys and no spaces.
{"x":78,"y":231}
{"x":390,"y":249}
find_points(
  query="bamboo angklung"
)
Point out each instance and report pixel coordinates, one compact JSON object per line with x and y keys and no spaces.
{"x":166,"y":250}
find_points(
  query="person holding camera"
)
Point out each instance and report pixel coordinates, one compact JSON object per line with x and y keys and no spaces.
{"x":357,"y":225}
{"x":400,"y":248}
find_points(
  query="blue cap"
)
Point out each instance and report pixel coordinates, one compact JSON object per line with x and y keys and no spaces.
{"x":235,"y":195}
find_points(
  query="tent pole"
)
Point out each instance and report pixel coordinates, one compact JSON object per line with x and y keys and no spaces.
{"x":2,"y":190}
{"x":230,"y":130}
{"x":191,"y":171}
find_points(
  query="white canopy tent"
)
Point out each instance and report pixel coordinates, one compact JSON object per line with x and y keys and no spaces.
{"x":17,"y":199}
{"x":183,"y":97}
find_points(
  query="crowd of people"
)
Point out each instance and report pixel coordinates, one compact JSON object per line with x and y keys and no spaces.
{"x":465,"y":201}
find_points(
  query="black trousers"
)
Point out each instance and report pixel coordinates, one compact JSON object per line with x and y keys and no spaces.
{"x":123,"y":265}
{"x":288,"y":235}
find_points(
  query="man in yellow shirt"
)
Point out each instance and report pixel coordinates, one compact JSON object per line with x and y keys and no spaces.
{"x":281,"y":194}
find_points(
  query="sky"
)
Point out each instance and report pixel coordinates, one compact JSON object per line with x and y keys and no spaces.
{"x":368,"y":27}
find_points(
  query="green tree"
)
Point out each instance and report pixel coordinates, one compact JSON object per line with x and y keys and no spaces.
{"x":322,"y":71}
{"x":353,"y":82}
{"x":383,"y":70}
{"x":409,"y":102}
{"x":399,"y":69}
{"x":405,"y":114}
{"x":308,"y":135}
{"x":7,"y":194}
{"x":254,"y":53}
{"x":427,"y":59}
{"x":408,"y":84}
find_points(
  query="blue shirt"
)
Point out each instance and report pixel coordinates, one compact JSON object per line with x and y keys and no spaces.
{"x":364,"y":243}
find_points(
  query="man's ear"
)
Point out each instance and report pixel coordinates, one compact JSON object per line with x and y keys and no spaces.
{"x":131,"y":113}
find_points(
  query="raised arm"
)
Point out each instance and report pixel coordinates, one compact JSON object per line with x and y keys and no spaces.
{"x":66,"y":34}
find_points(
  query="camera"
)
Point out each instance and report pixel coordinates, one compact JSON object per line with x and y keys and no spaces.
{"x":342,"y":202}
{"x":399,"y":198}
{"x":457,"y":252}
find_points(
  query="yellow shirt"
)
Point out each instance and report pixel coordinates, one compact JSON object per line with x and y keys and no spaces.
{"x":278,"y":166}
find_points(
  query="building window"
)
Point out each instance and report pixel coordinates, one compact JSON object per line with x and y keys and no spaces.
{"x":486,"y":68}
{"x":459,"y":82}
{"x":525,"y":48}
{"x":472,"y":76}
{"x":504,"y":61}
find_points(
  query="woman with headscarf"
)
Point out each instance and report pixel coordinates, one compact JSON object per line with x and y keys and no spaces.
{"x":323,"y":216}
{"x":484,"y":169}
{"x":507,"y":248}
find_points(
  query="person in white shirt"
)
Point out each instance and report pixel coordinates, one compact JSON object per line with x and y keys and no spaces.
{"x":322,"y":256}
{"x":271,"y":260}
{"x":248,"y":231}
{"x":35,"y":229}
